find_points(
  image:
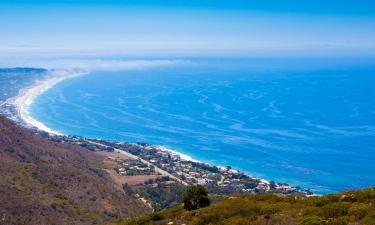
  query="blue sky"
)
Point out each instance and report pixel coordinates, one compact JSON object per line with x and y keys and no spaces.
{"x":256,"y":27}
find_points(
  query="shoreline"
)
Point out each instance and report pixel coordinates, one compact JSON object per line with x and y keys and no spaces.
{"x":27,"y":95}
{"x":180,"y":154}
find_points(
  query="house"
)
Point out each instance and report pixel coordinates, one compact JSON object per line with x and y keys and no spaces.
{"x":202,"y":181}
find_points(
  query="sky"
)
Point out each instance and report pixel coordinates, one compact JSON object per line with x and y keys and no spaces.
{"x":235,"y":27}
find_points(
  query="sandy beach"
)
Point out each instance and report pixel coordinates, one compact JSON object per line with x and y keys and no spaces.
{"x":25,"y":98}
{"x":182,"y":156}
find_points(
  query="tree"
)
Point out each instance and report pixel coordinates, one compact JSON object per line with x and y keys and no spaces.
{"x":196,"y":197}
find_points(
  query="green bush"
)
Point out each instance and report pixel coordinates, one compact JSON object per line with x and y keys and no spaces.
{"x":359,"y":211}
{"x":271,"y":209}
{"x":336,"y":209}
{"x":366,"y":195}
{"x":333,"y":197}
{"x":313,"y":220}
{"x":318,"y":201}
{"x":207,"y":218}
{"x":156,"y":216}
{"x":139,"y":221}
{"x":338,"y":221}
{"x":312,"y":211}
{"x":369,"y":219}
{"x":237,"y":220}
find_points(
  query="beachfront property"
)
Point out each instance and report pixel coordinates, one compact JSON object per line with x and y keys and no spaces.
{"x":131,"y":167}
{"x":150,"y":160}
{"x":147,"y":159}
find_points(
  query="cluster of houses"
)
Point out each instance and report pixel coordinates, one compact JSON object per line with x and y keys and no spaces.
{"x":217,"y":179}
{"x":133,"y":167}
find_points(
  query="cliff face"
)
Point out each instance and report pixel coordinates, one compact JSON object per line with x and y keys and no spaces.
{"x":42,"y":182}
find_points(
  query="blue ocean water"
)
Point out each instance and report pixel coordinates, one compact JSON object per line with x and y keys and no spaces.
{"x":310,"y":123}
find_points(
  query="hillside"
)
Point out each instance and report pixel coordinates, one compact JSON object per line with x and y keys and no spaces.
{"x":46,"y":182}
{"x":353,"y":207}
{"x":43,"y":182}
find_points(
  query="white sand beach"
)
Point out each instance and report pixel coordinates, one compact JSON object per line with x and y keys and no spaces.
{"x":25,"y":98}
{"x":182,"y":156}
{"x":27,"y":95}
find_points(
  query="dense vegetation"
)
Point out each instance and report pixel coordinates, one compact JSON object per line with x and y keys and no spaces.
{"x":48,"y":183}
{"x":161,"y":194}
{"x":352,"y":207}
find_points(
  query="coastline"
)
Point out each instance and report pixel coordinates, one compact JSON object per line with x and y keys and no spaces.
{"x":181,"y":155}
{"x":27,"y":95}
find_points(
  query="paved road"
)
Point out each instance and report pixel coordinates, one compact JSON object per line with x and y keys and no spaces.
{"x":157,"y":169}
{"x":4,"y":102}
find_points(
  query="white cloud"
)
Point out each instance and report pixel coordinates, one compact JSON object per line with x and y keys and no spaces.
{"x":91,"y":64}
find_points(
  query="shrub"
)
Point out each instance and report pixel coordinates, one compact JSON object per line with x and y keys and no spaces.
{"x":333,"y":197}
{"x":319,"y":201}
{"x":207,"y":218}
{"x":338,"y":221}
{"x":359,"y":211}
{"x":369,"y":219}
{"x":336,"y":209}
{"x":313,"y":220}
{"x":271,"y":209}
{"x":312,"y":211}
{"x":237,"y":220}
{"x":363,"y":195}
{"x":156,"y":216}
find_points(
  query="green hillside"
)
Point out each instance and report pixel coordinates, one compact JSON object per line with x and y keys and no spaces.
{"x":352,"y":207}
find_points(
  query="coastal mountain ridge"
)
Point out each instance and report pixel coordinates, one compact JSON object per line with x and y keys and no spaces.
{"x":43,"y":182}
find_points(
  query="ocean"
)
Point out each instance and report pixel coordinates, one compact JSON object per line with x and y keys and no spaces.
{"x":307,"y":122}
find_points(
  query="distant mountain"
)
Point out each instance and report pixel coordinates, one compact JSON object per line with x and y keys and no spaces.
{"x":12,"y":80}
{"x":42,"y":182}
{"x":22,"y":70}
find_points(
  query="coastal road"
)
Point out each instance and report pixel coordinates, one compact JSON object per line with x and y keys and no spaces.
{"x":4,"y":102}
{"x":157,"y":169}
